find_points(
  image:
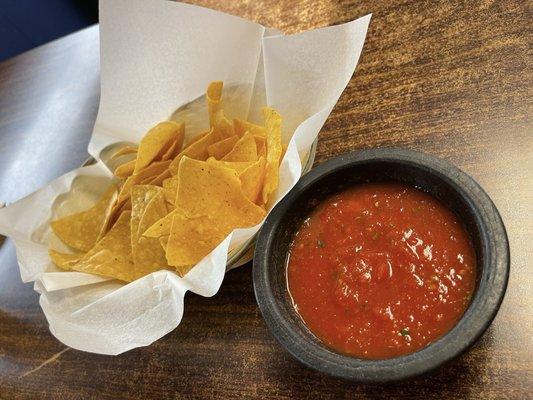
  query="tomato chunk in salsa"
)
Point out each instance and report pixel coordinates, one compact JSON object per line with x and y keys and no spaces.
{"x":381,"y":270}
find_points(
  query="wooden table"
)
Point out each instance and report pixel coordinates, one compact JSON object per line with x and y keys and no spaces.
{"x":453,"y":80}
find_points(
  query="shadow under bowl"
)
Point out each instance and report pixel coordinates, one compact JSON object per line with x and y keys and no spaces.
{"x":449,"y":185}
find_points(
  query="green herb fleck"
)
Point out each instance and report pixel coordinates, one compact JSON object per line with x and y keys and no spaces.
{"x":375,"y":235}
{"x":320,"y":243}
{"x":404,"y":332}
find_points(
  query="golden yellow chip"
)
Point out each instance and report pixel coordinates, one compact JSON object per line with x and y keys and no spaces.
{"x":176,"y":204}
{"x":124,"y":151}
{"x":207,"y":189}
{"x":197,"y":150}
{"x":148,"y":256}
{"x":172,"y":151}
{"x":81,"y":230}
{"x":273,"y":145}
{"x":283,"y":151}
{"x":111,"y":256}
{"x":170,"y":187}
{"x":151,"y":171}
{"x":155,"y":210}
{"x":252,"y":179}
{"x":125,"y":170}
{"x":191,"y":239}
{"x":241,"y":126}
{"x":163,"y":241}
{"x":214,"y":100}
{"x":158,"y":180}
{"x":222,"y":147}
{"x":260,"y":141}
{"x":237,"y":166}
{"x":222,"y":127}
{"x":244,"y":150}
{"x":156,"y":140}
{"x":64,"y":260}
{"x":140,"y":197}
{"x":160,"y":227}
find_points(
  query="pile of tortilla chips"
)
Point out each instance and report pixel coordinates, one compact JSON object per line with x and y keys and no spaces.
{"x":176,"y":203}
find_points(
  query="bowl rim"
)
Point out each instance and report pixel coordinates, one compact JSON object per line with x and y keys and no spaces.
{"x":484,"y":305}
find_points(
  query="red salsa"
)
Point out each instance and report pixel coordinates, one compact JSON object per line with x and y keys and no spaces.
{"x":381,"y":270}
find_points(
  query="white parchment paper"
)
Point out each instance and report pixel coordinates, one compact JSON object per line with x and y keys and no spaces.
{"x":157,"y":58}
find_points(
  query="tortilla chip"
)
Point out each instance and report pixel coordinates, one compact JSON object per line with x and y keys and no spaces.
{"x":241,"y":126}
{"x":140,"y":197}
{"x":156,"y":140}
{"x":124,"y":151}
{"x":252,"y":179}
{"x":160,"y":227}
{"x":148,"y":256}
{"x":111,"y":256}
{"x":207,"y":189}
{"x":163,"y":241}
{"x":222,"y":147}
{"x":170,"y":187}
{"x":197,"y":150}
{"x":214,"y":99}
{"x":81,"y":230}
{"x":273,"y":142}
{"x":147,"y":174}
{"x":191,"y":239}
{"x":260,"y":141}
{"x":125,"y":170}
{"x":222,"y":127}
{"x":64,"y":260}
{"x":172,"y":151}
{"x":158,"y":180}
{"x":196,"y":138}
{"x":283,"y":151}
{"x":244,"y":150}
{"x":237,"y":166}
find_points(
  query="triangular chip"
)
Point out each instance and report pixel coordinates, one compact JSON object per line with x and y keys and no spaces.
{"x":241,"y":126}
{"x":111,"y":256}
{"x":197,"y":150}
{"x":237,"y":166}
{"x":252,"y":179}
{"x":283,"y":151}
{"x":140,"y":197}
{"x":172,"y":151}
{"x":151,"y":171}
{"x":273,"y":141}
{"x":163,"y":241}
{"x":124,"y":151}
{"x":158,"y":180}
{"x":170,"y":187}
{"x":191,"y":239}
{"x":125,"y":170}
{"x":65,"y":260}
{"x":222,"y":127}
{"x":160,"y":227}
{"x":260,"y":141}
{"x":214,"y":100}
{"x":207,"y":189}
{"x":156,"y":140}
{"x":148,"y":256}
{"x":81,"y":230}
{"x":222,"y":147}
{"x":244,"y":150}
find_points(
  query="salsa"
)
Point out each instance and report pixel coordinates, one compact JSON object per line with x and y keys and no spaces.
{"x":381,"y":270}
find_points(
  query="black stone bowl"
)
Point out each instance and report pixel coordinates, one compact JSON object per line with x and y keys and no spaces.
{"x":448,"y":184}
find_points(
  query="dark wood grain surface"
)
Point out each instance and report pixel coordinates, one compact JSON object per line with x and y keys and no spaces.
{"x":453,"y":79}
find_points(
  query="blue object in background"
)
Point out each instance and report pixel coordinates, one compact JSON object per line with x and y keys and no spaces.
{"x":25,"y":24}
